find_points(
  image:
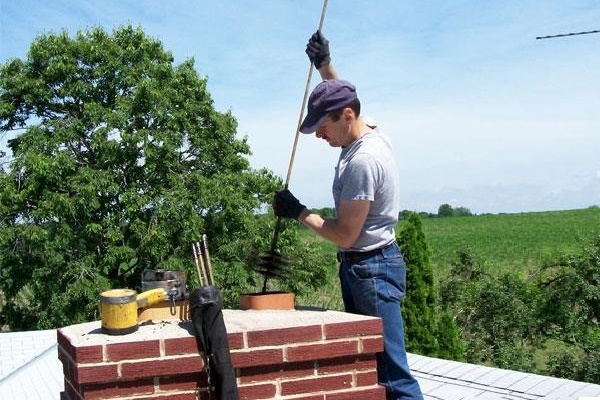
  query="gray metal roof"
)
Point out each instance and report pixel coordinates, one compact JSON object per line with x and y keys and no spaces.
{"x":30,"y":369}
{"x":29,"y":366}
{"x":453,"y":380}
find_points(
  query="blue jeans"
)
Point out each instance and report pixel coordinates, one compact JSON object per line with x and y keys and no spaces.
{"x":375,"y":285}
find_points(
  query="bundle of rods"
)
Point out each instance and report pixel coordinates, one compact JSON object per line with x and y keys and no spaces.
{"x":202,"y":260}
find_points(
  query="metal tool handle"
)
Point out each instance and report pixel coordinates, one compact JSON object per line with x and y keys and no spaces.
{"x":305,"y":98}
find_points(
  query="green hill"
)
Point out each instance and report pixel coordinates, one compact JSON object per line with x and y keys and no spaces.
{"x":520,"y":240}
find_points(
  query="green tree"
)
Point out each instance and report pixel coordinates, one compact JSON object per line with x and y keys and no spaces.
{"x":326,"y":212}
{"x":462,"y":212}
{"x":419,"y":308}
{"x":450,"y":343}
{"x":503,"y":319}
{"x":445,"y":210}
{"x":570,"y":312}
{"x":563,"y":362}
{"x":567,"y":281}
{"x":404,"y":215}
{"x":119,"y":163}
{"x":458,"y":293}
{"x":497,"y":315}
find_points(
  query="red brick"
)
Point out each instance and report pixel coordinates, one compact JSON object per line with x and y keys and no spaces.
{"x":189,"y":345}
{"x":117,"y":389}
{"x":241,"y":359}
{"x":366,"y":378}
{"x":96,"y":374}
{"x":161,"y":367}
{"x":344,"y":364}
{"x":372,"y":344}
{"x":322,"y":350}
{"x":183,"y":382}
{"x":236,"y":340}
{"x":274,"y":337}
{"x":177,"y":346}
{"x":277,"y":371}
{"x":260,"y":391}
{"x":357,"y":328}
{"x":133,"y":350}
{"x":88,"y":354}
{"x":316,"y":384}
{"x":81,"y":354}
{"x":374,"y":393}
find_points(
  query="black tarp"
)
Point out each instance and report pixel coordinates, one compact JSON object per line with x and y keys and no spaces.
{"x":206,"y":309}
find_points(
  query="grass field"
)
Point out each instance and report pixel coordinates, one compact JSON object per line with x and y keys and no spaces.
{"x":501,"y":241}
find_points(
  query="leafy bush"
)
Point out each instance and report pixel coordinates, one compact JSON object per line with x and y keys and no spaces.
{"x":508,"y":318}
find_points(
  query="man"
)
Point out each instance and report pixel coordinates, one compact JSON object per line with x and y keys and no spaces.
{"x":366,"y":195}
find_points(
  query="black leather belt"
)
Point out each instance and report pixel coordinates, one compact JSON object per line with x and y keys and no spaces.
{"x":355,"y":255}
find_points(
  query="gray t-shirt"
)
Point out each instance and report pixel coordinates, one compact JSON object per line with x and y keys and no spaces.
{"x":367,"y":170}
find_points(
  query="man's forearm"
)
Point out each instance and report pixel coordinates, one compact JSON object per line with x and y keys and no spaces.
{"x":327,"y":72}
{"x":323,"y":227}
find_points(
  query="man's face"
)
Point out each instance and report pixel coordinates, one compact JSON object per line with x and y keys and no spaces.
{"x":334,"y":132}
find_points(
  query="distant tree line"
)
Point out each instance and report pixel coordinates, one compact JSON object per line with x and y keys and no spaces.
{"x":444,"y":211}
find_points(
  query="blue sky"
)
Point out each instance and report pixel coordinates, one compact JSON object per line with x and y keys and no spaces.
{"x":482,"y":115}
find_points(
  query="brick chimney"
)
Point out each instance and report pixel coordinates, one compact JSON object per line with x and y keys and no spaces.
{"x":310,"y":355}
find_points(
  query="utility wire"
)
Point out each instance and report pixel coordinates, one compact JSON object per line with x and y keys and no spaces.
{"x":567,"y":34}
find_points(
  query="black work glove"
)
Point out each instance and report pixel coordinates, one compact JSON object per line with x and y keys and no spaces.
{"x":286,"y":205}
{"x":317,"y":50}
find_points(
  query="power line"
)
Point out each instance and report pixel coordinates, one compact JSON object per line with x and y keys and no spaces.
{"x":567,"y":34}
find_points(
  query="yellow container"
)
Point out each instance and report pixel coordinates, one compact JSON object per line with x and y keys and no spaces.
{"x":118,"y":310}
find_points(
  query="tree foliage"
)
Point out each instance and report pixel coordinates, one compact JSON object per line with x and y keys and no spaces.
{"x":570,"y":312}
{"x":509,"y":319}
{"x":446,"y":210}
{"x":119,"y":163}
{"x":571,"y":286}
{"x":428,"y":331}
{"x":496,"y":314}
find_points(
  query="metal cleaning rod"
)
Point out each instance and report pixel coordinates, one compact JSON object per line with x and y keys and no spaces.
{"x":295,"y":144}
{"x":200,"y":267}
{"x":310,"y":71}
{"x":208,"y":263}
